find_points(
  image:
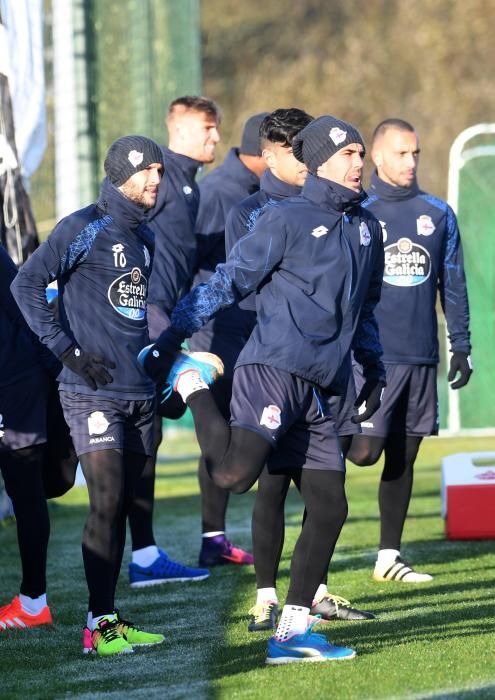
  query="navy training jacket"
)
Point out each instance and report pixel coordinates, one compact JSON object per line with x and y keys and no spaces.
{"x":316,"y":261}
{"x":423,"y":255}
{"x":172,"y":220}
{"x":226,"y":185}
{"x":101,"y":257}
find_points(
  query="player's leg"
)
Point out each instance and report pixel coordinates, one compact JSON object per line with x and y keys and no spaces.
{"x":330,"y":606}
{"x":60,"y":463}
{"x":365,"y":450}
{"x":394,"y":496}
{"x":268,"y":529}
{"x":150,"y":564}
{"x":414,"y":415}
{"x":22,"y":471}
{"x":216,"y":549}
{"x":325,"y":501}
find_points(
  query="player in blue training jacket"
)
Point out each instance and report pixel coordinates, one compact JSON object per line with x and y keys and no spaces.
{"x":284,"y":177}
{"x":236,"y":178}
{"x":37,"y":458}
{"x":192,"y":124}
{"x":311,"y":260}
{"x":423,"y":256}
{"x":101,"y":257}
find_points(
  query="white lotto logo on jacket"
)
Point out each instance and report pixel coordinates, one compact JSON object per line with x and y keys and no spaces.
{"x":337,"y":135}
{"x":97,"y":423}
{"x":319,"y":231}
{"x":424,"y":225}
{"x":135,"y":158}
{"x":271,"y":417}
{"x":364,"y":234}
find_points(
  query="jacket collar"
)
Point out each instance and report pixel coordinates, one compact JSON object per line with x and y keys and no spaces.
{"x":330,"y":195}
{"x":390,"y":192}
{"x":278,"y":188}
{"x":126,"y":213}
{"x":188,"y":165}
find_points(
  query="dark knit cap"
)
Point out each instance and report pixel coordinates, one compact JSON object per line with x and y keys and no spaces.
{"x":250,"y":144}
{"x":128,"y":155}
{"x":321,"y":138}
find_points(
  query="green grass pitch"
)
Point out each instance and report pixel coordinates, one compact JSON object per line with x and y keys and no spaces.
{"x":436,"y":640}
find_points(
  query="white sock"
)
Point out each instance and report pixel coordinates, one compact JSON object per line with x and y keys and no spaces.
{"x":189,"y":382}
{"x":32,"y":606}
{"x":214,"y":533}
{"x":321,"y":591}
{"x":99,"y":617}
{"x":387,"y":555}
{"x":89,"y":622}
{"x":146,"y":556}
{"x":263,"y":595}
{"x":294,"y":620}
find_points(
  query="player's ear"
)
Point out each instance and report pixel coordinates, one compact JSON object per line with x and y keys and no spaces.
{"x":268,"y":157}
{"x":376,"y":157}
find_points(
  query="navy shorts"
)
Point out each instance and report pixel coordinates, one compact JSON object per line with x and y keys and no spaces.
{"x":98,"y":423}
{"x":290,"y":414}
{"x":342,"y":409}
{"x":23,"y":413}
{"x":409,"y":402}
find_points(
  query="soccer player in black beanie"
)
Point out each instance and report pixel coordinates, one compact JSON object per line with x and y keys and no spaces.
{"x":315,"y":262}
{"x":421,"y":231}
{"x":284,"y":178}
{"x":101,"y":257}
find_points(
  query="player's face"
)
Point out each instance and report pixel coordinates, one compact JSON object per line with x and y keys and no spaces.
{"x":142,"y":187}
{"x":345,"y":167}
{"x":284,"y":165}
{"x":199,"y":135}
{"x":396,"y":156}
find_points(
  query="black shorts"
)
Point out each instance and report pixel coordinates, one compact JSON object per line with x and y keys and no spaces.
{"x":23,"y":413}
{"x":98,"y":423}
{"x":409,"y":402}
{"x":288,"y":412}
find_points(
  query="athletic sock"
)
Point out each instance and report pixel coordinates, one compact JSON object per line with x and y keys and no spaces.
{"x":89,"y":621}
{"x":189,"y":382}
{"x":387,"y":555}
{"x":32,"y":606}
{"x":146,"y":556}
{"x":321,"y":591}
{"x":213,"y":533}
{"x":294,"y":620}
{"x":264,"y":595}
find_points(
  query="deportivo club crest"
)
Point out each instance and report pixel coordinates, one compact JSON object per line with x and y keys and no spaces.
{"x":364,"y":234}
{"x":135,"y":158}
{"x":424,"y":225}
{"x":337,"y":135}
{"x":97,"y":423}
{"x":271,"y":417}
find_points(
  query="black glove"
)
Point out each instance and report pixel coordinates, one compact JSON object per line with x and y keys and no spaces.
{"x":460,"y":362}
{"x":157,"y":359}
{"x":371,"y":394}
{"x":91,"y":368}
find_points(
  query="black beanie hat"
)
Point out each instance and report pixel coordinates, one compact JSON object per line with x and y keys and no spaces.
{"x":128,"y":155}
{"x":321,"y":138}
{"x":250,"y":144}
